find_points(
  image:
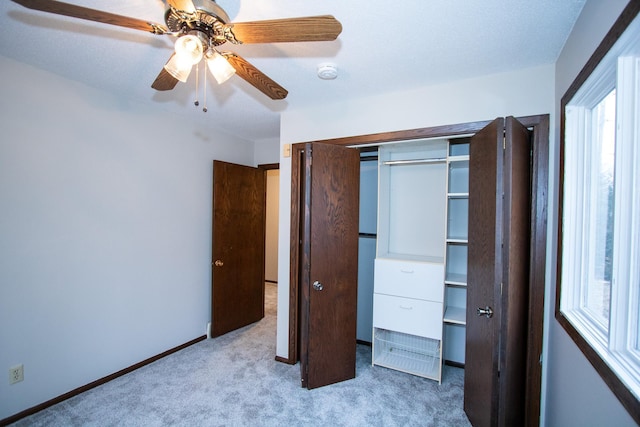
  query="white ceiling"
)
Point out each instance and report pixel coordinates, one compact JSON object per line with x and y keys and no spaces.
{"x":383,"y":47}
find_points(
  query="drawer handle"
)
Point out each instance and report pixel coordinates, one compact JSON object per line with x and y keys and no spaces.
{"x":406,"y":271}
{"x":406,"y":308}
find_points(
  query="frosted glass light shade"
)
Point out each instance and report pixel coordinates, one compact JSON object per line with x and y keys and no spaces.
{"x":179,"y":67}
{"x":190,"y":48}
{"x":219,"y":66}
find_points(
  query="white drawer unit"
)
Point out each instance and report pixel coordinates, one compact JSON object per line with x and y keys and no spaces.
{"x":410,"y":279}
{"x":408,"y":315}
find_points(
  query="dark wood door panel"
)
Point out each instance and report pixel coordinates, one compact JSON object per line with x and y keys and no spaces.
{"x":515,"y":255}
{"x":331,"y":246}
{"x":238,"y":246}
{"x":498,"y":274}
{"x":484,"y":271}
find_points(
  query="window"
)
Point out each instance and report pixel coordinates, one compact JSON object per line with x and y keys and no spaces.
{"x":599,"y":252}
{"x":589,"y":211}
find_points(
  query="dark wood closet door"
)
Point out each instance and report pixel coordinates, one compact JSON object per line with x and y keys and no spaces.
{"x":484,"y":274}
{"x":329,"y":264}
{"x":498,"y":268}
{"x":516,"y":253}
{"x":238,"y":246}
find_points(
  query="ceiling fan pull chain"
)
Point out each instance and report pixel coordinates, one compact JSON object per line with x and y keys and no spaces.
{"x":204,"y":107}
{"x":196,"y":102}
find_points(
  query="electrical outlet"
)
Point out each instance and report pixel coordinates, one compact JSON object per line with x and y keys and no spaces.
{"x":16,"y":374}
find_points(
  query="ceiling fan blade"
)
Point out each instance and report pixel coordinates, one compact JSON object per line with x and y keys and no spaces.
{"x":164,"y":81}
{"x":183,"y":5}
{"x":255,"y":77}
{"x":75,"y":11}
{"x":306,"y":29}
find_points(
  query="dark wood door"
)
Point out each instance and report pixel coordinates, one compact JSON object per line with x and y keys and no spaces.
{"x":329,"y":264}
{"x":498,"y":274}
{"x":238,"y":247}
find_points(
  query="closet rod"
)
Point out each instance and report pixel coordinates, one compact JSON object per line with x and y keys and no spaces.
{"x":415,"y":161}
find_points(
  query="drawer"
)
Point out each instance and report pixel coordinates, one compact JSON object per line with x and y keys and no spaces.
{"x":411,"y":316}
{"x":422,"y":280}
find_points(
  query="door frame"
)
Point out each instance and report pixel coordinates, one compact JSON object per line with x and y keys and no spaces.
{"x":266,"y":167}
{"x":539,"y":125}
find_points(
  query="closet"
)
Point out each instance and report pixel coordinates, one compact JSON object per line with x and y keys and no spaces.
{"x":463,"y":209}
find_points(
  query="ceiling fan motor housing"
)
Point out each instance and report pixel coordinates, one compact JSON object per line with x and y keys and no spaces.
{"x":207,"y":22}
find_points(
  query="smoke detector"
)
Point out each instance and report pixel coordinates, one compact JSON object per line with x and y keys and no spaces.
{"x":327,"y":71}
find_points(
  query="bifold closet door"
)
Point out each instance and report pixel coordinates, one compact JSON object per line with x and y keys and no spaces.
{"x":498,"y":268}
{"x":329,"y":215}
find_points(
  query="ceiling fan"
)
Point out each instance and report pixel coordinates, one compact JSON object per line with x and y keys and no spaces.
{"x":201,"y":27}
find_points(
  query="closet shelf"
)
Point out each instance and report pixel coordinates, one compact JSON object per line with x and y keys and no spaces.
{"x":427,"y":368}
{"x":464,"y":158}
{"x":454,"y":279}
{"x":455,"y":315}
{"x":407,"y":353}
{"x":458,"y":195}
{"x":458,"y":241}
{"x":414,"y":161}
{"x":410,"y":257}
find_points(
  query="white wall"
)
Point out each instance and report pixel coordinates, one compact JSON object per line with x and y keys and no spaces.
{"x":105,"y":232}
{"x":520,"y":93}
{"x":266,"y":151}
{"x":576,"y":395}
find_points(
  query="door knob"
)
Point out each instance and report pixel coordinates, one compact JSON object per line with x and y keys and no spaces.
{"x":218,"y":263}
{"x":317,"y":286}
{"x":487,"y":311}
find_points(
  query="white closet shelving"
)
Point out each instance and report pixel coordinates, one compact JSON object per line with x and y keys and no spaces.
{"x":409,"y":275}
{"x":456,"y":241}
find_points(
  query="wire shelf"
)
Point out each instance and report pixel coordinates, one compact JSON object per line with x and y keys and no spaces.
{"x":407,"y":353}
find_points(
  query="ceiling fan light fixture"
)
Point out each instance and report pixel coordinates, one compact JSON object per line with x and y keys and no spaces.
{"x":179,"y":67}
{"x":189,"y":48}
{"x":202,"y":25}
{"x":219,"y":66}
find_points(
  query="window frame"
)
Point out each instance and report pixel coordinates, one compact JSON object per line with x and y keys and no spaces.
{"x":598,"y":341}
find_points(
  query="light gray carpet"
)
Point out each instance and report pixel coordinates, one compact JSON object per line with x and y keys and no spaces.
{"x":234,"y":380}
